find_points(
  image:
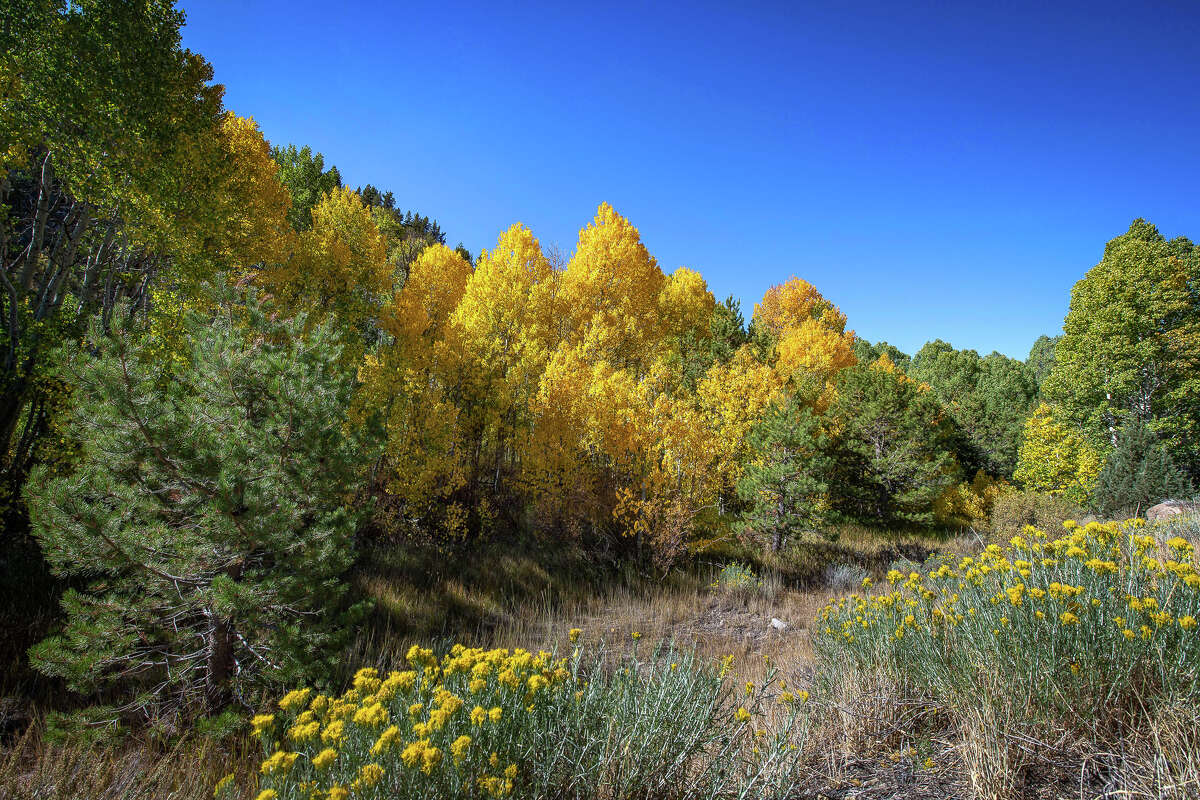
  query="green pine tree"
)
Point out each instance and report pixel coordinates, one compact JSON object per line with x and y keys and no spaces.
{"x":207,"y":525}
{"x":894,"y":453}
{"x":1138,"y":473}
{"x":785,"y":486}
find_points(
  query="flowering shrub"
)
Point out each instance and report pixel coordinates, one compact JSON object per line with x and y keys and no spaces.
{"x":1078,"y":626}
{"x":496,"y":723}
{"x":736,"y":576}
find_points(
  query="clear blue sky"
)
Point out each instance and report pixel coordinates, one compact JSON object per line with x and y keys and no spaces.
{"x":939,"y":170}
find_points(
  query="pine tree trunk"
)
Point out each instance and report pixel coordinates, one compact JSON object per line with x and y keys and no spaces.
{"x":218,"y":663}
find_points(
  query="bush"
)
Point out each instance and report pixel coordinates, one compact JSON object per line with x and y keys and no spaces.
{"x":1012,"y":511}
{"x":969,"y":505}
{"x":737,"y":577}
{"x":497,"y":723}
{"x":1079,"y":630}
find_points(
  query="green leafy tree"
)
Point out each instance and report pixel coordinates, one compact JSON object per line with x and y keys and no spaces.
{"x":988,"y":398}
{"x":785,"y":484}
{"x":894,"y":454}
{"x":207,"y":524}
{"x":1138,"y":473}
{"x":106,"y":125}
{"x":1131,"y":344}
{"x":1041,"y":359}
{"x":306,"y":178}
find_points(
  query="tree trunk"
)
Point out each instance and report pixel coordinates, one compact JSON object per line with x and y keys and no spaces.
{"x":218,"y":663}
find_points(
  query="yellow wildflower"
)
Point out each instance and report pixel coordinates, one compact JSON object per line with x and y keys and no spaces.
{"x":459,"y":748}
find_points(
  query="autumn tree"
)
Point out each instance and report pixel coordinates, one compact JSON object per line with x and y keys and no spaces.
{"x":609,"y":295}
{"x":1055,"y":457}
{"x":415,"y":383}
{"x":1131,"y":344}
{"x":502,"y":332}
{"x":804,"y":336}
{"x":208,"y":522}
{"x":338,"y":270}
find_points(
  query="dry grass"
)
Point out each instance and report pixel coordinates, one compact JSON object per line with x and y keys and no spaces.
{"x":866,"y":739}
{"x":33,"y":769}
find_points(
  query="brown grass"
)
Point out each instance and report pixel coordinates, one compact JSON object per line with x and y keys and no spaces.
{"x":866,"y":740}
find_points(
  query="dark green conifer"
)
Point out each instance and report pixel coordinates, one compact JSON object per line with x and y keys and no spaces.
{"x":208,"y":523}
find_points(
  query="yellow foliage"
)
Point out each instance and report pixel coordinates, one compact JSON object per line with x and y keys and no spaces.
{"x":340,"y":266}
{"x":436,"y":282}
{"x":812,"y":350}
{"x":253,"y":203}
{"x":969,"y":504}
{"x":790,"y":304}
{"x":609,"y":293}
{"x":1054,"y":457}
{"x":685,"y":305}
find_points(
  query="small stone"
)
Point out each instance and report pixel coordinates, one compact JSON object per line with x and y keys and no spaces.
{"x":778,"y":624}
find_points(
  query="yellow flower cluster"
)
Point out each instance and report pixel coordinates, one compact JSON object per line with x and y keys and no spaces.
{"x":1103,"y":598}
{"x":391,"y":730}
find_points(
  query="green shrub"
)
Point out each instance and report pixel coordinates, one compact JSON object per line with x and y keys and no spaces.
{"x":1013,"y":510}
{"x":737,"y":577}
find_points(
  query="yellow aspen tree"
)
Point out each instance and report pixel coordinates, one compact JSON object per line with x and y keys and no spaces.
{"x":609,"y":293}
{"x":340,"y":267}
{"x":811,"y":343}
{"x":734,"y":396}
{"x":685,"y":305}
{"x":437,"y":280}
{"x":1055,"y":457}
{"x":788,"y":304}
{"x":502,"y":332}
{"x":410,"y":382}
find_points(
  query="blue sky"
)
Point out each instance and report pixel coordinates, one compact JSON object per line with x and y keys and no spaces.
{"x":939,"y":170}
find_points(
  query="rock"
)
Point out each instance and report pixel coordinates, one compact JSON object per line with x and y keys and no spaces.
{"x":779,"y":624}
{"x":1170,"y":508}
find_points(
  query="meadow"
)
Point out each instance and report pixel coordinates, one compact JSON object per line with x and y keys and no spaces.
{"x":1053,"y":663}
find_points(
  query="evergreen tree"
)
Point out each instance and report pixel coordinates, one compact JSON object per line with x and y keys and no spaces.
{"x":894,"y":453}
{"x":206,"y":526}
{"x":1138,"y":473}
{"x":1040,"y":362}
{"x":785,"y":484}
{"x":866,"y":352}
{"x":306,"y":178}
